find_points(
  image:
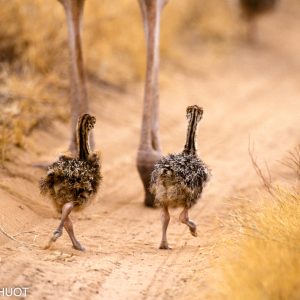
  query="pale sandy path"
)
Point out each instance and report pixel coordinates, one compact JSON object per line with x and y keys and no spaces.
{"x":253,"y":92}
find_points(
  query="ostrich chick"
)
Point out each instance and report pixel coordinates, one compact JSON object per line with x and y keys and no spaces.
{"x":178,"y":179}
{"x":72,"y":182}
{"x":251,"y":9}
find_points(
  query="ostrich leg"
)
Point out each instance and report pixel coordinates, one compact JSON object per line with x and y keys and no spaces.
{"x":184,"y":218}
{"x":69,"y":228}
{"x":150,"y":149}
{"x":155,"y":107}
{"x":79,"y":100}
{"x":165,"y":219}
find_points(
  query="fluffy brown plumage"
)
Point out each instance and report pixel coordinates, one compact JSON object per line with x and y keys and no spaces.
{"x":72,"y":182}
{"x":178,"y":180}
{"x":72,"y":179}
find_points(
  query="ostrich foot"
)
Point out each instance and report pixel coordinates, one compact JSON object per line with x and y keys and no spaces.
{"x":164,"y":245}
{"x":48,"y":244}
{"x":184,"y":218}
{"x":56,"y":234}
{"x":193,"y":228}
{"x":78,"y":246}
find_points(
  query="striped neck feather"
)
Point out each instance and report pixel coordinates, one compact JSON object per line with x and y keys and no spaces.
{"x":83,"y":139}
{"x":190,"y":145}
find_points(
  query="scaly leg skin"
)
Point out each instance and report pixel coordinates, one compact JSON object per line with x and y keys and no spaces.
{"x":165,"y":219}
{"x":184,"y":218}
{"x":66,"y":210}
{"x":69,"y":228}
{"x":145,"y":165}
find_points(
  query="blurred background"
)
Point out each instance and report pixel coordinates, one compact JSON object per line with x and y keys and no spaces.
{"x":34,"y":74}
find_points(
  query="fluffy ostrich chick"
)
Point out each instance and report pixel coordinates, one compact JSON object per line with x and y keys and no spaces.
{"x":72,"y":182}
{"x":178,"y":179}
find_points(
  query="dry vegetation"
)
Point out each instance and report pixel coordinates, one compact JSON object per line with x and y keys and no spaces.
{"x":292,"y":161}
{"x":259,"y":257}
{"x":34,"y":53}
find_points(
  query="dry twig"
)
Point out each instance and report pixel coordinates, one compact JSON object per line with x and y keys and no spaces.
{"x":265,"y":179}
{"x":13,"y":237}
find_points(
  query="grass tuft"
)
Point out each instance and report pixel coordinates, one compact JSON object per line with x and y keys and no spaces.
{"x":260,"y":252}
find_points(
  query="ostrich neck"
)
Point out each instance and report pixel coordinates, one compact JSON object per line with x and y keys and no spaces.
{"x":190,"y":145}
{"x":83,"y":143}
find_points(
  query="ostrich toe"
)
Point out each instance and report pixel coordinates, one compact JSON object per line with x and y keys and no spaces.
{"x":164,"y":245}
{"x":56,"y":234}
{"x":78,"y":246}
{"x":193,"y":228}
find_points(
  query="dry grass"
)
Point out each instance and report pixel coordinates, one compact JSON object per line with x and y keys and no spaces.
{"x":34,"y":53}
{"x":292,"y":161}
{"x":259,"y":258}
{"x":26,"y":104}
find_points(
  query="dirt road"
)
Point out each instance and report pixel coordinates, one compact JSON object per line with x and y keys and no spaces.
{"x":245,"y":92}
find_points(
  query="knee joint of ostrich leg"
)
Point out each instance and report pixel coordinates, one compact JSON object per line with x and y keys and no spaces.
{"x":67,"y":208}
{"x":184,"y":218}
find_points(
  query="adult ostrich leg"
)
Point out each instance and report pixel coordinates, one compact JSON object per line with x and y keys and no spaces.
{"x":149,"y":151}
{"x":79,"y":100}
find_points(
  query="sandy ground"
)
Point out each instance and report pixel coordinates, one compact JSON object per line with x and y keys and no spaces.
{"x":245,"y":92}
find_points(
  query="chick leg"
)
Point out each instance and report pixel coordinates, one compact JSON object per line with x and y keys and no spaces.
{"x":184,"y":218}
{"x":66,"y":209}
{"x":165,"y":219}
{"x":69,"y":228}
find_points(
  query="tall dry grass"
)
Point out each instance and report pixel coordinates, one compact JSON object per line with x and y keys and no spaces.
{"x":259,"y":256}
